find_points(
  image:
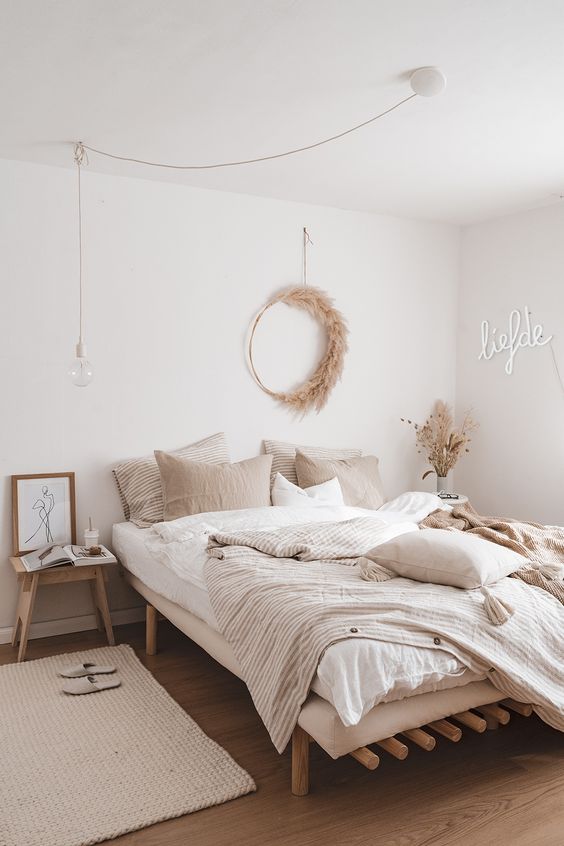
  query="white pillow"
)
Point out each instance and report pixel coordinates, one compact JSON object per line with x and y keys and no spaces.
{"x":285,"y":493}
{"x":447,"y":558}
{"x":412,"y":505}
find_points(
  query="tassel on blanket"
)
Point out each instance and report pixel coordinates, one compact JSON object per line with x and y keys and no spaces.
{"x":497,"y":610}
{"x":370,"y":571}
{"x":553,"y":572}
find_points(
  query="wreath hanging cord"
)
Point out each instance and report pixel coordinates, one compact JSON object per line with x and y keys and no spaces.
{"x":314,"y":393}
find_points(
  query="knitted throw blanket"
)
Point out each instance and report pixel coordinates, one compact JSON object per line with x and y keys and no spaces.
{"x":279,"y":614}
{"x":542,"y":545}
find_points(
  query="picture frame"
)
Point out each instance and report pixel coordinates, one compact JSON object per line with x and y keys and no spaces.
{"x":43,"y":510}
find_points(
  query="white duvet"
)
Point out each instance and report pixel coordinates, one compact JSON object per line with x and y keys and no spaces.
{"x":355,"y":674}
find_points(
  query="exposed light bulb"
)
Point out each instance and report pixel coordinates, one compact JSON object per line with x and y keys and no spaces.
{"x":80,"y":370}
{"x":427,"y":82}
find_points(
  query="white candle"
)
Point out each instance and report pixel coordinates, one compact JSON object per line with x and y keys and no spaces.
{"x":91,"y":537}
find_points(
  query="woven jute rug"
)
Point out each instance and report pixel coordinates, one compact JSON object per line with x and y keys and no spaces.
{"x":77,"y":770}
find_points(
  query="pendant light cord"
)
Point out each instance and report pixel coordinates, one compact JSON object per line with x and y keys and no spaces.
{"x":307,"y":240}
{"x":248,"y":161}
{"x":80,"y":158}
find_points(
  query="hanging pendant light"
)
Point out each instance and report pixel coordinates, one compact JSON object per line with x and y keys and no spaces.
{"x":80,"y":370}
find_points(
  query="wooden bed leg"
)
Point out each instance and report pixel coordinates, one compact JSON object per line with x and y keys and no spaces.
{"x":300,"y":762}
{"x":151,"y":630}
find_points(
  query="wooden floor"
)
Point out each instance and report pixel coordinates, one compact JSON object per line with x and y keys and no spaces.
{"x":505,"y":787}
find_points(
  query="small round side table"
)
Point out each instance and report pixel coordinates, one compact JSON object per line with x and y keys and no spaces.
{"x":461,"y":499}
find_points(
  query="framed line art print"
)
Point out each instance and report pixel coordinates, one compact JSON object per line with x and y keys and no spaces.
{"x":43,"y":510}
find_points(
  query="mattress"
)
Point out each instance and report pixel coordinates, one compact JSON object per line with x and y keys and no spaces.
{"x":129,"y":546}
{"x":353,"y":675}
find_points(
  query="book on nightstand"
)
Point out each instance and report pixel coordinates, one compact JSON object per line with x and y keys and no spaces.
{"x":55,"y":555}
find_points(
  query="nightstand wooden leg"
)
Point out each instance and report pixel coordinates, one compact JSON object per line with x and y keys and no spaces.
{"x":99,"y":621}
{"x":16,"y":629}
{"x":25,"y":610}
{"x":151,"y":630}
{"x":19,"y":612}
{"x":103,"y":605}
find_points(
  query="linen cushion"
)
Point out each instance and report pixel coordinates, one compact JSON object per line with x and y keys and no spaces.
{"x":192,"y":487}
{"x":284,"y":457}
{"x":446,"y":557}
{"x":285,"y":493}
{"x":359,"y":477}
{"x":139,"y":483}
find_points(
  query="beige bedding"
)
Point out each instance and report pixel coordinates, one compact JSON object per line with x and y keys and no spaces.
{"x":318,"y":716}
{"x":279,"y":615}
{"x":542,"y":545}
{"x":353,"y":675}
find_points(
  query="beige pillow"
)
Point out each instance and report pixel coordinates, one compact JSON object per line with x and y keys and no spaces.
{"x":191,"y":487}
{"x":139,"y":483}
{"x":284,"y":457}
{"x":359,"y":477}
{"x":447,"y":558}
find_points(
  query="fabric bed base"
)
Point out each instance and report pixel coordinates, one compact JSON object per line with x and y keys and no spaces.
{"x":318,"y":717}
{"x":197,"y":630}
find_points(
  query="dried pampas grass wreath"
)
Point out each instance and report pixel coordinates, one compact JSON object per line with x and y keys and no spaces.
{"x":314,"y":393}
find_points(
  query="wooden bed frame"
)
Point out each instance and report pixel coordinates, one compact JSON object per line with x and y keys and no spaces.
{"x":478,"y":716}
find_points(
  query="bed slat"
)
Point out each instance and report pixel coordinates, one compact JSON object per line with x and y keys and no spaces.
{"x":365,"y":757}
{"x":471,"y":721}
{"x":420,"y":738}
{"x":495,"y":713}
{"x":394,"y":747}
{"x":519,"y":707}
{"x":446,"y":729}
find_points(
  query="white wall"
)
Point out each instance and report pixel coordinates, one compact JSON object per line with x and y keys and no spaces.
{"x":517,"y":462}
{"x":173,"y":277}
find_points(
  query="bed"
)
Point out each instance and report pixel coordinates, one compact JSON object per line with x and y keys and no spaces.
{"x":346,"y":710}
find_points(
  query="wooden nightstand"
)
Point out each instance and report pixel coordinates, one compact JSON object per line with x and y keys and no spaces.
{"x":29,"y":582}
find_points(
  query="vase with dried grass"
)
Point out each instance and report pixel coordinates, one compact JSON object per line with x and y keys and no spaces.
{"x":441,"y":442}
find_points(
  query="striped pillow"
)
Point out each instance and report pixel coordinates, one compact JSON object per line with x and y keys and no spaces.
{"x":284,"y":457}
{"x":139,"y":482}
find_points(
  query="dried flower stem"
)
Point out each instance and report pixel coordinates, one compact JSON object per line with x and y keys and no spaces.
{"x":440,"y":441}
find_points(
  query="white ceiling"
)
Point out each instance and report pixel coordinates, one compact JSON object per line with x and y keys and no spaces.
{"x":197,"y":81}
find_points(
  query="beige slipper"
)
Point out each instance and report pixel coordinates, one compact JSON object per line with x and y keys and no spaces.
{"x":89,"y":684}
{"x":75,"y":671}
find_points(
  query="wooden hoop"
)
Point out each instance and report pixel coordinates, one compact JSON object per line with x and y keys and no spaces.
{"x":314,"y":393}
